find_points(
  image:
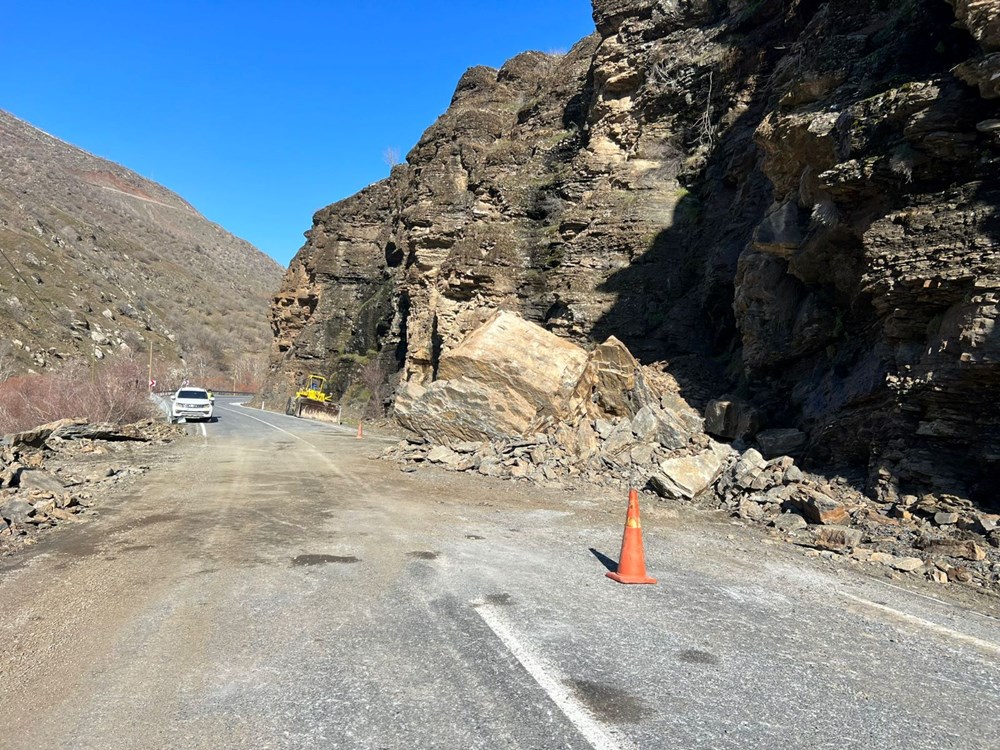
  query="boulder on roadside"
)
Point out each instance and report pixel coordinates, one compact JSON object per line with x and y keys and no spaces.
{"x":510,"y":378}
{"x":40,"y":479}
{"x":685,"y":477}
{"x":820,"y":508}
{"x":836,"y":537}
{"x":653,"y":424}
{"x":35,"y":438}
{"x":780,"y":442}
{"x":501,"y":381}
{"x":464,"y":410}
{"x":611,"y":383}
{"x":17,"y":511}
{"x":789,"y":522}
{"x":902,"y":564}
{"x":964,"y":549}
{"x":730,"y":418}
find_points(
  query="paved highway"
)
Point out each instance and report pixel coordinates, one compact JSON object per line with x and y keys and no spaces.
{"x":272,"y":586}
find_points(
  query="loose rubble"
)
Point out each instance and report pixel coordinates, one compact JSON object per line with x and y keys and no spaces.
{"x":50,"y":475}
{"x":624,"y":425}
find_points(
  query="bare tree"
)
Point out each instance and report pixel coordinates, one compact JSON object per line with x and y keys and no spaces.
{"x":707,"y":129}
{"x":249,"y":371}
{"x":391,"y":156}
{"x":374,"y":377}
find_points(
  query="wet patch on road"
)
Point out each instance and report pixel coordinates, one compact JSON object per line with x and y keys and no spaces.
{"x":306,"y":560}
{"x":502,"y":600}
{"x":609,"y":703}
{"x":422,"y":555}
{"x":79,"y":546}
{"x":694,"y":656}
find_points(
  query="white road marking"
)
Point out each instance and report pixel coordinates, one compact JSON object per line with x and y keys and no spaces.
{"x":971,"y":640}
{"x":333,"y":467}
{"x":593,"y":730}
{"x":943,"y":603}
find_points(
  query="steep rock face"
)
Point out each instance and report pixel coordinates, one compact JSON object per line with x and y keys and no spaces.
{"x":790,"y":200}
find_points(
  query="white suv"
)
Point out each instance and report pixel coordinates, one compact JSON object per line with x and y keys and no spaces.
{"x":191,"y":403}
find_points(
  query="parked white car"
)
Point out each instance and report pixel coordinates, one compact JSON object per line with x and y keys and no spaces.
{"x":191,"y":403}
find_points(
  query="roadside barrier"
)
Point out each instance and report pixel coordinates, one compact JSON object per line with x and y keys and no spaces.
{"x":632,"y":562}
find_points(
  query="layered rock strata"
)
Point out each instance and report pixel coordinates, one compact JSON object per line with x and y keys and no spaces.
{"x":792,"y":203}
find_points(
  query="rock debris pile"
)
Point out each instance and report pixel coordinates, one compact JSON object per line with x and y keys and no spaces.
{"x":49,"y":475}
{"x":514,"y":401}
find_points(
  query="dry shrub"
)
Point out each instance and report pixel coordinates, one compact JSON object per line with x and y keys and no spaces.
{"x":374,"y":377}
{"x":113,"y":391}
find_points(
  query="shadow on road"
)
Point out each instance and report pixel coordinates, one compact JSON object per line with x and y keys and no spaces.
{"x":606,"y":561}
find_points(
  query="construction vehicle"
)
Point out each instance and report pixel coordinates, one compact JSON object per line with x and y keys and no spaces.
{"x":312,"y":402}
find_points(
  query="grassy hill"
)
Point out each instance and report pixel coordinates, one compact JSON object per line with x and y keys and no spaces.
{"x":97,"y":261}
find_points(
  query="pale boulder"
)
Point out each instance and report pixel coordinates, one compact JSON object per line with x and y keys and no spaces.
{"x":611,"y":383}
{"x":451,"y":411}
{"x":685,"y":477}
{"x":510,"y":355}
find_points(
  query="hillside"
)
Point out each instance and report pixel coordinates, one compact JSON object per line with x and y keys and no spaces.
{"x":98,"y":260}
{"x":789,"y":201}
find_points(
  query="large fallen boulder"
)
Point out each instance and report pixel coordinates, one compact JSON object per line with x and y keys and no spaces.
{"x":510,"y":378}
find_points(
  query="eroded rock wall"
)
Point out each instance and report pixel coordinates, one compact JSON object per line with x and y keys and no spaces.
{"x":791,"y":201}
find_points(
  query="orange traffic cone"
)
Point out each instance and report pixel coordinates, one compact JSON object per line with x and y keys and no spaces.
{"x":631,"y":562}
{"x":361,"y":432}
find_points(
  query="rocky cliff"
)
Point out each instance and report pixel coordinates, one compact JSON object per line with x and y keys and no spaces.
{"x":792,"y":202}
{"x":98,"y":260}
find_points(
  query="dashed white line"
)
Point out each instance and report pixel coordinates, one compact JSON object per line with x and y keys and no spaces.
{"x":333,"y":467}
{"x":971,"y":640}
{"x":594,"y":731}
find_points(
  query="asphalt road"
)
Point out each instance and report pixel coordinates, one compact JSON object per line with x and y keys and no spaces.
{"x":273,"y":586}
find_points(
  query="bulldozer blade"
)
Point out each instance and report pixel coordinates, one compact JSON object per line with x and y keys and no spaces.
{"x":318,"y":411}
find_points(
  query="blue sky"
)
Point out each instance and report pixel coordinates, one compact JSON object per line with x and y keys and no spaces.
{"x":258,"y":113}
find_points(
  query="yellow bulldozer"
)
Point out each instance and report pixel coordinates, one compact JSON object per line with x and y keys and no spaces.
{"x":312,"y":402}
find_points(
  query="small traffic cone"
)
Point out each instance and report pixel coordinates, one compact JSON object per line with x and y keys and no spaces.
{"x":361,"y":431}
{"x":631,"y":562}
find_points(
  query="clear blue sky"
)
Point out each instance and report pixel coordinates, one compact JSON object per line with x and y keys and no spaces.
{"x":256,"y":112}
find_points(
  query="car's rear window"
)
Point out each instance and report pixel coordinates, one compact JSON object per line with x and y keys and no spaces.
{"x":192,"y":393}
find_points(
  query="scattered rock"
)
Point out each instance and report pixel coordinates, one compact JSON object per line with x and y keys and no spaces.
{"x":903,"y":564}
{"x":789,"y":522}
{"x":823,"y":509}
{"x":39,"y":479}
{"x":959,"y":574}
{"x":751,"y":510}
{"x":441,"y":454}
{"x":730,"y":418}
{"x":836,"y":537}
{"x":966,"y":550}
{"x":780,"y":442}
{"x":17,"y":511}
{"x":942,"y":518}
{"x":687,"y":476}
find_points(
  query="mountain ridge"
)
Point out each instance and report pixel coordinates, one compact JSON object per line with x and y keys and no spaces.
{"x":99,"y":259}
